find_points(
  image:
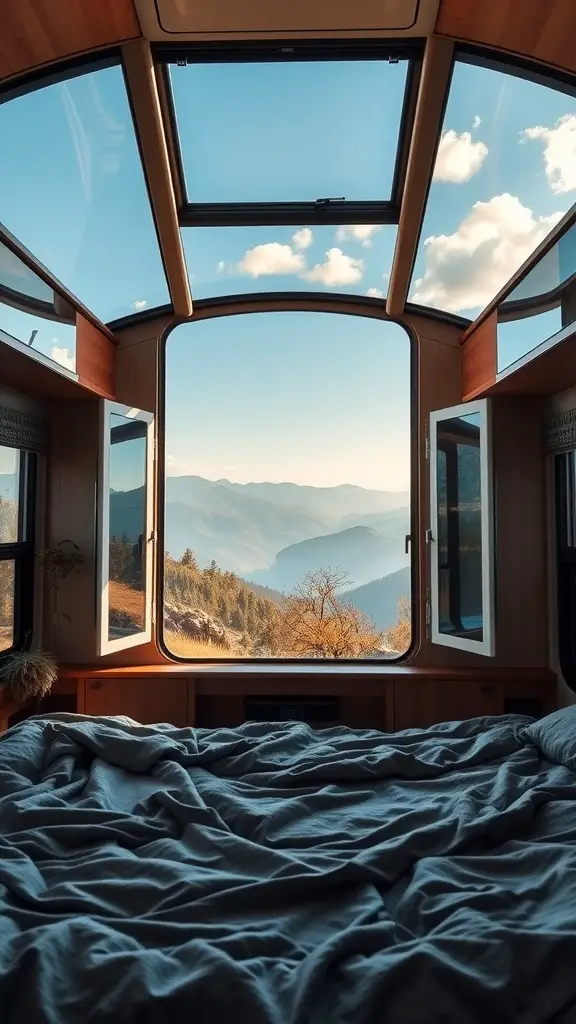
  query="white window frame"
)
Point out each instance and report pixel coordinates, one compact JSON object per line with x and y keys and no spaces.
{"x":104,"y":644}
{"x":486,"y":646}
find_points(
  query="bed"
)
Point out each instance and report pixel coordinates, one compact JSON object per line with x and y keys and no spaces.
{"x":276,"y":875}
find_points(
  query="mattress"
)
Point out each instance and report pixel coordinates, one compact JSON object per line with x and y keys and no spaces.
{"x":271,"y":873}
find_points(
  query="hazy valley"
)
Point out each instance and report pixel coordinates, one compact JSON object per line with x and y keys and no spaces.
{"x":239,"y":555}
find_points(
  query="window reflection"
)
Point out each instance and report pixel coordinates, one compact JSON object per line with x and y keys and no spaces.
{"x":127,"y":508}
{"x":541,"y":305}
{"x":459,"y":527}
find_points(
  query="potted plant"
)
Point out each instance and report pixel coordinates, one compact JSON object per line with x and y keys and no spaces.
{"x":28,"y":675}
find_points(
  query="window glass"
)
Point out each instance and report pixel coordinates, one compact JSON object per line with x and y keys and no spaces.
{"x":353,"y":258}
{"x":287,"y":488}
{"x":565,"y":505}
{"x":127,"y":545}
{"x":504,"y":176}
{"x":9,"y":494}
{"x":460,"y":515}
{"x":73,"y":192}
{"x":294,"y":131}
{"x":7,"y":588}
{"x":18,"y":281}
{"x":544,"y":303}
{"x":53,"y":338}
{"x":17,"y":483}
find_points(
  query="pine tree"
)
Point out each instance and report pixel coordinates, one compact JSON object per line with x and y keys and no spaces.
{"x":189,"y":560}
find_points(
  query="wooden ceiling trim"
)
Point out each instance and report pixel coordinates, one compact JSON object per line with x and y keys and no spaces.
{"x":543,"y":31}
{"x":434,"y":83}
{"x":139,"y":67}
{"x":38,"y":32}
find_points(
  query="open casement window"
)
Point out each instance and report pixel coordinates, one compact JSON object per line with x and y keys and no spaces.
{"x":461,"y":528}
{"x":125,"y":535}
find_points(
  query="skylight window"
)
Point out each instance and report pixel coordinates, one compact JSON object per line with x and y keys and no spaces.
{"x":258,"y":132}
{"x":346,"y":258}
{"x":72,"y":190}
{"x":505,"y":174}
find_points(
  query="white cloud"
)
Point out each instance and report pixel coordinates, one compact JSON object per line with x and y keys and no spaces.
{"x":303,"y":238}
{"x":62,"y":355}
{"x":375,"y":293}
{"x":559,"y":152}
{"x":338,"y":269}
{"x":458,"y":158}
{"x":357,"y":233}
{"x":139,"y":304}
{"x":271,"y":258}
{"x":220,"y":266}
{"x":466,"y":269}
{"x":177,"y":467}
{"x":477,"y":121}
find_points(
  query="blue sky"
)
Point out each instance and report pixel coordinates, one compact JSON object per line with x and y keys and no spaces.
{"x":314,"y":398}
{"x":73,"y":191}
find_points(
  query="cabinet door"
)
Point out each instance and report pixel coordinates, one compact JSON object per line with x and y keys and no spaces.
{"x":145,"y":700}
{"x":419,"y":704}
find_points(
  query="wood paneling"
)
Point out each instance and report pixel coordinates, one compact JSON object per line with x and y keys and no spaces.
{"x":479,"y":358}
{"x":139,"y":68}
{"x":542,"y":29}
{"x":144,"y":700}
{"x":95,"y":359}
{"x":436,"y":71}
{"x":418,"y":704}
{"x":36,"y":32}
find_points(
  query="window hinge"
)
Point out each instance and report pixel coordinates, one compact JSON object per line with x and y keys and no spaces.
{"x":153,"y":612}
{"x":154,"y":448}
{"x":428,"y":538}
{"x":428,"y":616}
{"x":426,"y":445}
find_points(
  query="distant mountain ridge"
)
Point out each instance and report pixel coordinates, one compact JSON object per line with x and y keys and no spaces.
{"x":379,"y":598}
{"x":272,"y":534}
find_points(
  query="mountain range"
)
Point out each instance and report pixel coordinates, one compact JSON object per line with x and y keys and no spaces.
{"x":272,"y":534}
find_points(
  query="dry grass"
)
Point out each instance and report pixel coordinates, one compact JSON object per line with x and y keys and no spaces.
{"x":184,"y":646}
{"x":124,"y":598}
{"x":6,"y":637}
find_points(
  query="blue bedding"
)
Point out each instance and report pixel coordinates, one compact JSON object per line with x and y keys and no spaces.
{"x":275,"y":875}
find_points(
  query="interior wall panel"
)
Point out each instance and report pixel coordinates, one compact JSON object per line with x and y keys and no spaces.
{"x":541,"y":29}
{"x":36,"y":32}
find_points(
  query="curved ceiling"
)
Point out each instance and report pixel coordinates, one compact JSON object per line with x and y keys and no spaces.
{"x":37,"y":32}
{"x":286,"y":201}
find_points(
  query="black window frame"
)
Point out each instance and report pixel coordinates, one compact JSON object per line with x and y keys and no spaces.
{"x":322,"y":210}
{"x":22,"y":553}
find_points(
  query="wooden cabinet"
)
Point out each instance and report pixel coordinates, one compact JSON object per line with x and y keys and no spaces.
{"x":420,"y":703}
{"x":157,"y":699}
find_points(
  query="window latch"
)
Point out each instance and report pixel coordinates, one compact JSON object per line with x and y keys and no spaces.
{"x":428,"y":538}
{"x":407,"y":542}
{"x":328,"y":200}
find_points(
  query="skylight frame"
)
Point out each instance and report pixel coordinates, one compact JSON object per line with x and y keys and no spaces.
{"x":322,"y":210}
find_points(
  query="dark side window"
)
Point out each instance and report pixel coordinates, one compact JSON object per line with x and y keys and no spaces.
{"x":565,"y":495}
{"x":17,"y":511}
